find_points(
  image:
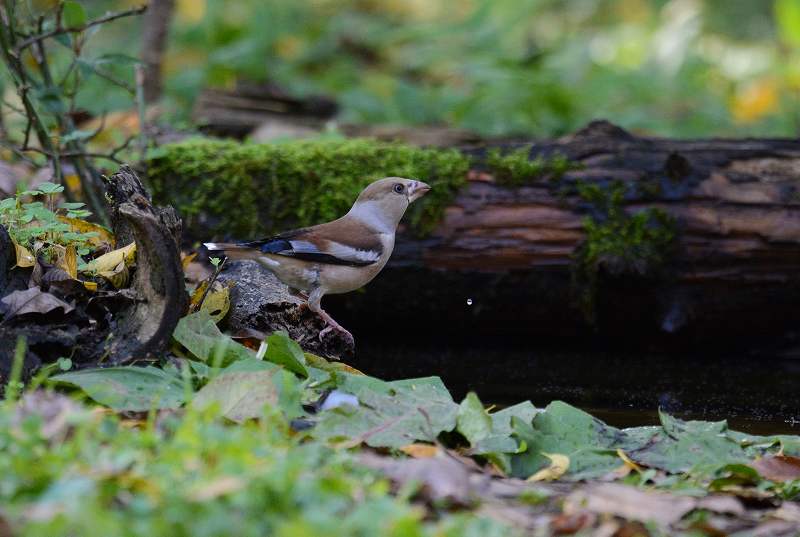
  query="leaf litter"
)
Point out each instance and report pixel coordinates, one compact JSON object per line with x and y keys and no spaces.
{"x":549,"y":470}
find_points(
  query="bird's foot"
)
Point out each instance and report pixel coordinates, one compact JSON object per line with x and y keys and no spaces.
{"x":347,"y":336}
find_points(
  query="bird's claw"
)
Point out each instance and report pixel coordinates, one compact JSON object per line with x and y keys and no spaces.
{"x":347,"y":336}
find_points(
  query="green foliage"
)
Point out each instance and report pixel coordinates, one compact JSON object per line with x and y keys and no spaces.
{"x":516,"y":168}
{"x":195,"y":475}
{"x":618,"y":242}
{"x":128,"y":388}
{"x":36,"y":221}
{"x":244,"y":190}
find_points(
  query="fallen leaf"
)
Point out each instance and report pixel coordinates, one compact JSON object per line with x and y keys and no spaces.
{"x":128,"y":388}
{"x":312,"y":360}
{"x":110,"y":261}
{"x":473,"y":421}
{"x":70,"y":261}
{"x":778,"y":467}
{"x":199,"y":334}
{"x":186,"y":260}
{"x":421,"y":451}
{"x":242,"y":390}
{"x":630,"y":503}
{"x":32,"y":300}
{"x":103,"y":235}
{"x":282,"y":350}
{"x":558,"y":467}
{"x":441,"y":478}
{"x":24,"y":257}
{"x":118,"y":277}
{"x":216,"y":303}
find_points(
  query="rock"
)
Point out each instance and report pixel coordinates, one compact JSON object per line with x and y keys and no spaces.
{"x":259,"y":301}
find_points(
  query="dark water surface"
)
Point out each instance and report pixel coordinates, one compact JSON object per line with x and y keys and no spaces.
{"x":756,"y":393}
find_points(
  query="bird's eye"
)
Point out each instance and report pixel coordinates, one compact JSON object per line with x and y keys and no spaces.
{"x":399,"y":188}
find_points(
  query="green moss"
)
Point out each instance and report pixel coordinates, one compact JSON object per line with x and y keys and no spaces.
{"x":517,"y":169}
{"x":224,"y":188}
{"x":618,"y":242}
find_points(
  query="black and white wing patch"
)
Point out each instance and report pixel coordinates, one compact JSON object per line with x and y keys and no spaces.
{"x":320,"y":250}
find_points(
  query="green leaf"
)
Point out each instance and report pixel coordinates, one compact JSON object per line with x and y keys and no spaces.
{"x":390,"y":414}
{"x":73,"y":14}
{"x":76,"y":135}
{"x":282,"y":350}
{"x":200,"y":335}
{"x":244,"y":389}
{"x":128,"y":388}
{"x":116,"y":58}
{"x":50,"y":188}
{"x":787,"y":16}
{"x":473,"y":421}
{"x":589,"y":443}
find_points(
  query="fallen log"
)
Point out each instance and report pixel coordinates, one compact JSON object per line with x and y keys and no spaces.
{"x":503,"y":259}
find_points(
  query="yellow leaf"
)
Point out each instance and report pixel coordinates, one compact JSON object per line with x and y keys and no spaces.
{"x":321,"y":363}
{"x":77,"y":225}
{"x":755,"y":101}
{"x":118,"y":276}
{"x":627,"y":460}
{"x":186,"y":260}
{"x":70,"y":261}
{"x":91,"y":286}
{"x":216,"y":303}
{"x":558,"y":467}
{"x":73,"y":183}
{"x":24,"y":257}
{"x":191,"y":11}
{"x":110,"y":261}
{"x":420,"y":451}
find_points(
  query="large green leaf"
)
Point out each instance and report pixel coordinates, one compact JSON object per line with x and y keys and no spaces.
{"x":390,"y":414}
{"x":245,"y":388}
{"x":589,"y":443}
{"x":128,"y":388}
{"x":73,"y":14}
{"x":680,"y":446}
{"x":473,"y":421}
{"x":284,"y":351}
{"x":200,"y":335}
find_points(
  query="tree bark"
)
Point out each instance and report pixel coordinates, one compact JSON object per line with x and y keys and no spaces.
{"x":501,"y":260}
{"x":155,"y":31}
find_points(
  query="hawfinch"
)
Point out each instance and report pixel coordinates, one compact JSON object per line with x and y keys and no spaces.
{"x":339,"y":256}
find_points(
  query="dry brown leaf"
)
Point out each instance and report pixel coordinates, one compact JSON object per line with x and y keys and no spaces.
{"x":558,"y":466}
{"x":103,"y":236}
{"x":630,"y":503}
{"x":421,"y":451}
{"x":110,"y":261}
{"x":24,"y":257}
{"x":32,"y":300}
{"x":70,"y":261}
{"x":778,"y":467}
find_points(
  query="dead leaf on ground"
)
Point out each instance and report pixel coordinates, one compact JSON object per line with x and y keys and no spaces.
{"x":24,"y":256}
{"x":111,"y":260}
{"x":559,"y":464}
{"x":32,"y":300}
{"x":78,"y":225}
{"x":630,"y":503}
{"x":441,"y":478}
{"x":118,"y":277}
{"x":778,"y":467}
{"x":216,"y":303}
{"x":421,"y":451}
{"x":58,"y":412}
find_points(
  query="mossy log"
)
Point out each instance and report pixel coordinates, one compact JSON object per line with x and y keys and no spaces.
{"x":602,"y":232}
{"x":505,"y":259}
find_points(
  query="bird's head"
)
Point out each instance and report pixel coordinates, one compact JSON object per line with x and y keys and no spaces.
{"x":383,"y":203}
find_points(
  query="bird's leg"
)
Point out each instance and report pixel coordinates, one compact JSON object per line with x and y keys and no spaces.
{"x":314,"y":305}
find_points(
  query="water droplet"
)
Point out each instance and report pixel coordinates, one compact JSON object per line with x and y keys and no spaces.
{"x":469,"y":302}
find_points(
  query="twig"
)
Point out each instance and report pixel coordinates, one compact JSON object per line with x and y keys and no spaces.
{"x":58,"y":30}
{"x":211,"y":281}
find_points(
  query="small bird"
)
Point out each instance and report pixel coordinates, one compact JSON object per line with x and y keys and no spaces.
{"x":339,"y":256}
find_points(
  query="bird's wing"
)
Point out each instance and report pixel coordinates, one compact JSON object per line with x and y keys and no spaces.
{"x":341,"y":242}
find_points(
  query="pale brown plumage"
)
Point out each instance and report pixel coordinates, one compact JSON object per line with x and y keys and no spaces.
{"x":338,"y":256}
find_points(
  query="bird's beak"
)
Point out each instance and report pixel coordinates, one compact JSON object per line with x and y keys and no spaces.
{"x":417,"y":190}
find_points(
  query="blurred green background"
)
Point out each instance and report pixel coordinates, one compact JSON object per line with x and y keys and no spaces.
{"x":498,"y":67}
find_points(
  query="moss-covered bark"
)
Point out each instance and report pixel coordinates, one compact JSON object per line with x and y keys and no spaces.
{"x":224,"y":188}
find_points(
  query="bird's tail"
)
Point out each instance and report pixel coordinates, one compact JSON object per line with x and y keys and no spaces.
{"x":232,"y":250}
